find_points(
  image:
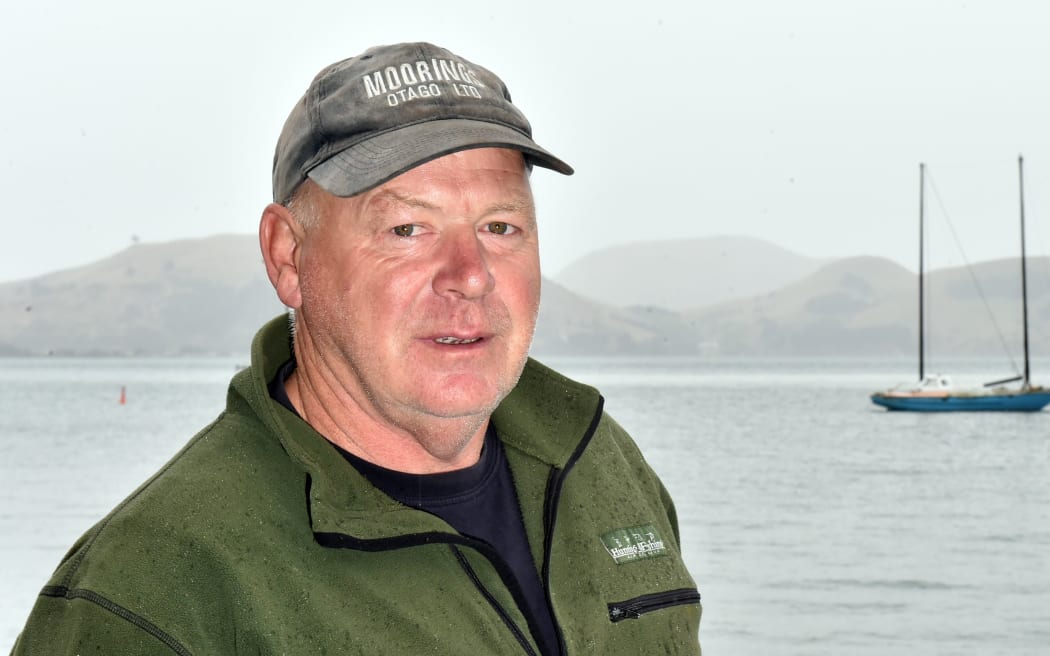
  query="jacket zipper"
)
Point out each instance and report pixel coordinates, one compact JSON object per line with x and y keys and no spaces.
{"x":343,"y":541}
{"x":507,"y":621}
{"x":550,"y":512}
{"x":632,"y":609}
{"x":554,"y":485}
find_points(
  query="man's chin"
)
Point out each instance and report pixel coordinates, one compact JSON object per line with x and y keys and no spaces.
{"x":461,"y":398}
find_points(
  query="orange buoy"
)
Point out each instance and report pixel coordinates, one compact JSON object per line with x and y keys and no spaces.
{"x":123,"y":395}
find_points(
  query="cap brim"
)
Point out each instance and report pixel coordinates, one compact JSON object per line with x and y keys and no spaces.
{"x":386,"y":156}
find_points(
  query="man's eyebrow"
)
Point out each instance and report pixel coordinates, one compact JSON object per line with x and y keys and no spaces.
{"x":519,"y":204}
{"x":389,"y":195}
{"x":512,"y":206}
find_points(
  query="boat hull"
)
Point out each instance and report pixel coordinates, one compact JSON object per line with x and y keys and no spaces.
{"x":1015,"y":402}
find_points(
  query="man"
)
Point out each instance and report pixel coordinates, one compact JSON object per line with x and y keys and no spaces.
{"x":392,"y":475}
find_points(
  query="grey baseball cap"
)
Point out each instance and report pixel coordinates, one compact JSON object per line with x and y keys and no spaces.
{"x":370,"y":118}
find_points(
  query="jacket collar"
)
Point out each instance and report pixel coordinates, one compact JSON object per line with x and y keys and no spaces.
{"x":545,"y":416}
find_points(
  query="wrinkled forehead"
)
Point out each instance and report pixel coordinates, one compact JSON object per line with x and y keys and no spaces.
{"x":492,"y":158}
{"x":481,"y":191}
{"x":481,"y":180}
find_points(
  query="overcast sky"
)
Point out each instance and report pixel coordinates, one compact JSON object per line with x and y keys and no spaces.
{"x":802,"y":123}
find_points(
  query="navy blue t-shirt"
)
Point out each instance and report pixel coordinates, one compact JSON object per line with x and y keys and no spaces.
{"x":478,"y":501}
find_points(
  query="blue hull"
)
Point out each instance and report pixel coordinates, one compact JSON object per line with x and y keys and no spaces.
{"x":1017,"y":402}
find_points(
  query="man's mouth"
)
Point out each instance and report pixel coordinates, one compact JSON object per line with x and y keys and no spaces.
{"x":456,"y":340}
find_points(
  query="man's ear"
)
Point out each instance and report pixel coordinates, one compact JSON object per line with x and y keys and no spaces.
{"x":279,"y":238}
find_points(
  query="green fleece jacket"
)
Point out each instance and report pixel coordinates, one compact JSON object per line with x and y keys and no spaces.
{"x":260,"y":538}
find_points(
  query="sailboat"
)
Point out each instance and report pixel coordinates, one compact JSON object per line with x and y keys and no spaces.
{"x":935,"y":392}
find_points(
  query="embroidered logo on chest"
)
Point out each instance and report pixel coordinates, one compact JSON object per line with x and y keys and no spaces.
{"x":627,"y":545}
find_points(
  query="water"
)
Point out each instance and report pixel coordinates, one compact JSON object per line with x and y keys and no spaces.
{"x":814,"y":522}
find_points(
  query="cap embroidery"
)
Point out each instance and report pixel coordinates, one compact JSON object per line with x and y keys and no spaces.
{"x":418,"y":79}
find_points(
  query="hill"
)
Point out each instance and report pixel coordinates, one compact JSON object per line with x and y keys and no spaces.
{"x":684,"y":274}
{"x":868,"y":306}
{"x":189,"y":296}
{"x":209,"y":296}
{"x":570,"y":324}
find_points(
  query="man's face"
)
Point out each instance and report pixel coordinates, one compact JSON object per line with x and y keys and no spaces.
{"x":421,"y":295}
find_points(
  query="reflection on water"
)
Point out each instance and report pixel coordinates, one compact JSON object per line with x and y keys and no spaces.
{"x":814,"y":522}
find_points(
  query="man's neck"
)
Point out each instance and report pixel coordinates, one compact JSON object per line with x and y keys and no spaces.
{"x":429,"y":445}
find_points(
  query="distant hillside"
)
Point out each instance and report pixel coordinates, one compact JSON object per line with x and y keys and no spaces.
{"x":958,"y":321}
{"x":571,"y":324}
{"x":190,"y":296}
{"x":685,"y":274}
{"x":868,"y":306}
{"x":211,"y":295}
{"x":207,"y":296}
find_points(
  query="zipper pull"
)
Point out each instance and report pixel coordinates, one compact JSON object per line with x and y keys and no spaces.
{"x":617,"y":613}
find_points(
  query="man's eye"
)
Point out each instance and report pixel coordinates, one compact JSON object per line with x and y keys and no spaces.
{"x":500,"y":228}
{"x":404,"y":230}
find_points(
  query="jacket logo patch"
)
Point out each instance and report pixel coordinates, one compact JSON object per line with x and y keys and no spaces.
{"x":627,"y":545}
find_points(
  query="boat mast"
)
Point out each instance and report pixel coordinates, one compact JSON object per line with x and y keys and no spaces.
{"x":1024,"y":275}
{"x":922,"y":313}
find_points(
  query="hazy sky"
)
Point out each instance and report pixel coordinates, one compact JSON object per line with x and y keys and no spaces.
{"x":801,"y":123}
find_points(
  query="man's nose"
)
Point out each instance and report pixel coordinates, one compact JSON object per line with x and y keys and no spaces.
{"x":463,"y":270}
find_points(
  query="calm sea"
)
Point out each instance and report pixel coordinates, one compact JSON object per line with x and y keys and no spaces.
{"x":814,"y":522}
